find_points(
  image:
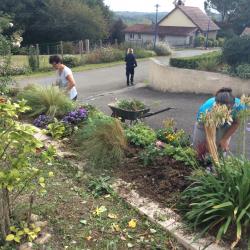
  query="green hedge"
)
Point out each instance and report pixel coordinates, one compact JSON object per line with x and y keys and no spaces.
{"x":195,"y":61}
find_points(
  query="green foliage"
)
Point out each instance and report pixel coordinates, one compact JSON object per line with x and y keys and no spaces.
{"x":221,"y":201}
{"x":71,"y":61}
{"x":56,"y":129}
{"x":117,"y":30}
{"x":5,"y":65}
{"x":199,"y":41}
{"x":162,"y":49}
{"x":105,"y":55}
{"x":103,"y":141}
{"x":187,"y":155}
{"x":133,"y":105}
{"x":171,"y":135}
{"x":33,"y":59}
{"x":209,"y":64}
{"x":150,"y":153}
{"x":20,"y":159}
{"x":237,"y":51}
{"x":193,"y":62}
{"x":100,"y":186}
{"x":140,"y":135}
{"x":49,"y":18}
{"x":142,"y":53}
{"x":46,"y":100}
{"x":243,"y":71}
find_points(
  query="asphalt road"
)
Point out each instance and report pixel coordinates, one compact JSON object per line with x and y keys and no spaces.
{"x":97,"y":81}
{"x":102,"y":86}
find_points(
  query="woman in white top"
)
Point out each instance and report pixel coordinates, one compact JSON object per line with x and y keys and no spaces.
{"x":65,"y":77}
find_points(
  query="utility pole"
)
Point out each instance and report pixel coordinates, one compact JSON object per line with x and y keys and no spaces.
{"x":208,"y":28}
{"x":156,"y":23}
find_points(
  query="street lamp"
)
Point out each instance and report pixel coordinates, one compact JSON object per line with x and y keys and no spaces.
{"x":208,"y":27}
{"x":156,"y":23}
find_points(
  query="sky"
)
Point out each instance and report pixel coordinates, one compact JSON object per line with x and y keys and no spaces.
{"x":148,"y":5}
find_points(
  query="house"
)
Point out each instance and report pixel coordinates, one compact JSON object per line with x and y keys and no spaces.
{"x":246,"y":32}
{"x":179,"y":28}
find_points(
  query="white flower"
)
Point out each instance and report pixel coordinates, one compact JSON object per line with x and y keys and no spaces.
{"x":16,"y":44}
{"x":11,"y":25}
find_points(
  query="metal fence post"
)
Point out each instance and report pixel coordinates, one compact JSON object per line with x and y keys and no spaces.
{"x":61,"y":48}
{"x":87,"y":45}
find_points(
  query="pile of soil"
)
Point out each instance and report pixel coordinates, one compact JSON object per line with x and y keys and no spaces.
{"x":162,"y":181}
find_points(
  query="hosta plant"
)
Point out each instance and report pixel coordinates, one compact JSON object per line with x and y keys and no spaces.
{"x":220,"y":202}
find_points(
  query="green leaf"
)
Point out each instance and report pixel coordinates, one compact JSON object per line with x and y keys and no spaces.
{"x":226,"y":204}
{"x":10,"y":237}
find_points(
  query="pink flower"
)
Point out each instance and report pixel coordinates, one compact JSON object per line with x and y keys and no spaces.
{"x":160,"y":144}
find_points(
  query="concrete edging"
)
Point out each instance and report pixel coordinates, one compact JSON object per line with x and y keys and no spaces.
{"x":170,"y":79}
{"x":172,"y":223}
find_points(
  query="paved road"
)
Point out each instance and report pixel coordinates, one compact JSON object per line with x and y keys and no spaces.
{"x":102,"y":86}
{"x":184,"y":112}
{"x":97,"y":81}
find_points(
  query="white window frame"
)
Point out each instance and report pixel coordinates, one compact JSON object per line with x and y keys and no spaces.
{"x":132,"y":36}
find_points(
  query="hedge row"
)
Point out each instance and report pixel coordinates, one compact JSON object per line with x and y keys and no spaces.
{"x":194,"y":62}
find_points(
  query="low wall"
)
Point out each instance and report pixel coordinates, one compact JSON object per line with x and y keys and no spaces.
{"x":170,"y":79}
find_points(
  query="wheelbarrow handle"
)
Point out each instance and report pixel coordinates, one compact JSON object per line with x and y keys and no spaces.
{"x":155,"y":113}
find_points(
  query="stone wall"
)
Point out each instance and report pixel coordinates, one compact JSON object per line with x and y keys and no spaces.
{"x":170,"y":79}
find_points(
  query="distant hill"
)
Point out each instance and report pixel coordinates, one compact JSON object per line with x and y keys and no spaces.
{"x":130,"y":18}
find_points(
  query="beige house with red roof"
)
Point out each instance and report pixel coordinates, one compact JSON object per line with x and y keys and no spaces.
{"x":246,"y":32}
{"x":178,"y":28}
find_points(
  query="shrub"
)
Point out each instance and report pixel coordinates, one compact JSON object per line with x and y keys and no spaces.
{"x":199,"y":41}
{"x":209,"y":64}
{"x":22,"y":167}
{"x":219,"y":202}
{"x":71,"y":61}
{"x":140,"y":135}
{"x":105,"y":55}
{"x":162,"y":49}
{"x":46,"y":100}
{"x":33,"y":59}
{"x":193,"y":62}
{"x":237,"y":51}
{"x":243,"y":71}
{"x":221,"y":42}
{"x":102,"y":140}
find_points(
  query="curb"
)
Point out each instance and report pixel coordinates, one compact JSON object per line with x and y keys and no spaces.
{"x":171,"y":222}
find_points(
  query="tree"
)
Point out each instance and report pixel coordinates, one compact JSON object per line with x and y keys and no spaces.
{"x":54,"y":20}
{"x":116,"y":31}
{"x":234,"y":13}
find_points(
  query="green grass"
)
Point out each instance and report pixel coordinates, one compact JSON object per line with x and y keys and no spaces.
{"x":76,"y":69}
{"x":69,"y":207}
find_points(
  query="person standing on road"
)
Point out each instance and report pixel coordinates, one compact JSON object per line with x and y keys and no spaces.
{"x":131,"y":64}
{"x":223,"y":96}
{"x":65,"y":79}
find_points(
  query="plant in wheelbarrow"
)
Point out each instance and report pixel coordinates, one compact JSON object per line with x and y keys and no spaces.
{"x":131,"y":105}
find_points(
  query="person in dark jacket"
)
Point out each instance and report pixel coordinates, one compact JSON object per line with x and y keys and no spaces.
{"x":130,"y":66}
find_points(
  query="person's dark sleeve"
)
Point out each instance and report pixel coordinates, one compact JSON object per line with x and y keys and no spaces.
{"x":135,"y":62}
{"x":126,"y":58}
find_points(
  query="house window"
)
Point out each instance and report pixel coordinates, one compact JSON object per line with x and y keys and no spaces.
{"x":139,"y":36}
{"x":131,"y":36}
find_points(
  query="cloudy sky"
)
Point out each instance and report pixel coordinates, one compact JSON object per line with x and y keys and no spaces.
{"x":148,"y":5}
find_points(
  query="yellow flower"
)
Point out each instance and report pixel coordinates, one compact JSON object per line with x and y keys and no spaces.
{"x":170,"y":137}
{"x":100,"y":210}
{"x":88,"y":238}
{"x":132,"y":223}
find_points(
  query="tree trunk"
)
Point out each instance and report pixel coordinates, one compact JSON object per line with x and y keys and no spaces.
{"x":4,"y":212}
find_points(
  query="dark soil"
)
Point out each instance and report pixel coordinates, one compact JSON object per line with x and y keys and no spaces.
{"x":162,"y":181}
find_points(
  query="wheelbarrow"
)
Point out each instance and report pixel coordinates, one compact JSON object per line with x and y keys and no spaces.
{"x":133,"y":116}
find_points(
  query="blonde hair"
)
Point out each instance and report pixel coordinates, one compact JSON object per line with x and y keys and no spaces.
{"x":130,"y":50}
